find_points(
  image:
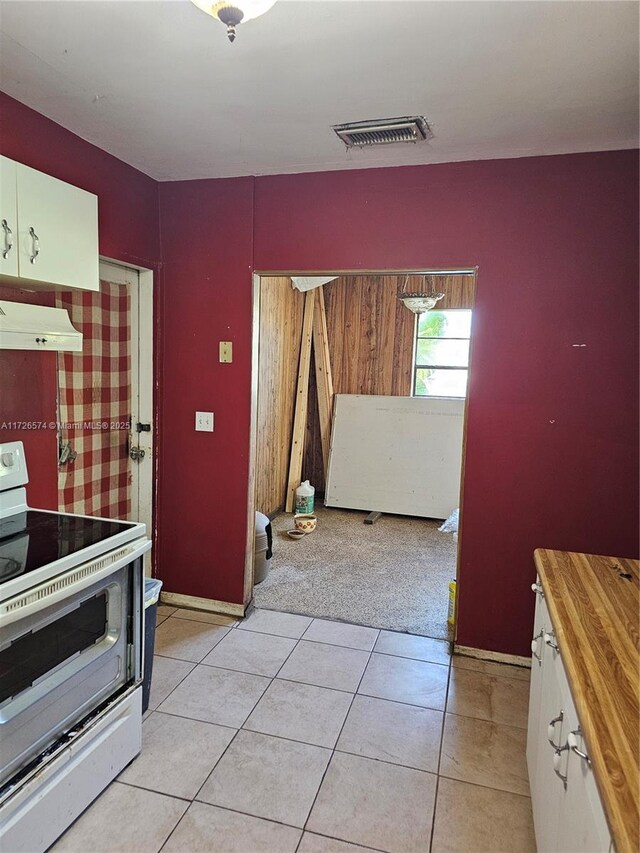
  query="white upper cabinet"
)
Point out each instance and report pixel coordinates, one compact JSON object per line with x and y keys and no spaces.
{"x":55,"y":243}
{"x":8,"y":217}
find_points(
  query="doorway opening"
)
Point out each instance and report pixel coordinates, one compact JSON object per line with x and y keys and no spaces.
{"x":105,"y":400}
{"x":383,"y":397}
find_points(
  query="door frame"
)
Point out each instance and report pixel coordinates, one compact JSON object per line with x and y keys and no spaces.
{"x":142,"y":385}
{"x":253,"y":432}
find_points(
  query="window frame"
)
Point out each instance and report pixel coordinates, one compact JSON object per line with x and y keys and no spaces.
{"x":416,"y":367}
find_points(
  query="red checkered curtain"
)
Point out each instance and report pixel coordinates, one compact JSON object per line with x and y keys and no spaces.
{"x":94,"y":400}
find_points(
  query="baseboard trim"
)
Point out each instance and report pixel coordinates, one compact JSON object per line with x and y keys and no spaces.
{"x":497,"y":657}
{"x":176,"y":599}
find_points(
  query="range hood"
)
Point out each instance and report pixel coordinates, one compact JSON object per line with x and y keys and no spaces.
{"x":24,"y":326}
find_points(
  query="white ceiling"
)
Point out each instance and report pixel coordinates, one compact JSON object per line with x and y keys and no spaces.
{"x":158,"y":85}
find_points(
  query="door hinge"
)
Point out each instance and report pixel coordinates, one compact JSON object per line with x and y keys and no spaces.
{"x":143,"y":427}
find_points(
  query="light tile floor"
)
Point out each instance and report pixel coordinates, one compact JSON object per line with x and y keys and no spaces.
{"x":286,"y":734}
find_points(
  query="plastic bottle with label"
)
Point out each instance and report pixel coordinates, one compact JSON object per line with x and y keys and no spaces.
{"x":451,"y":616}
{"x":305,"y":497}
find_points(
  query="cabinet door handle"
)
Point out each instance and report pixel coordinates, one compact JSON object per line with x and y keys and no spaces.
{"x":537,"y":589}
{"x":36,"y":245}
{"x":551,"y":729}
{"x":572,"y":741}
{"x":549,"y":640}
{"x":557,"y":758}
{"x":8,"y":238}
{"x":534,"y":647}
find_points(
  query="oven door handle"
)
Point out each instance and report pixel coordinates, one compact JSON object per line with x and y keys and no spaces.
{"x":65,"y":585}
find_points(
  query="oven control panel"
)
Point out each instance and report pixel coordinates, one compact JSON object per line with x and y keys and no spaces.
{"x":13,"y":466}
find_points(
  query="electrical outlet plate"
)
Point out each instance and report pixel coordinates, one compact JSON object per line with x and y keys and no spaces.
{"x":226,"y":352}
{"x":204,"y":421}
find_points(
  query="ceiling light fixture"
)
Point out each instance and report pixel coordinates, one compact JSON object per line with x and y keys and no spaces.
{"x":419,"y":303}
{"x":231,"y":14}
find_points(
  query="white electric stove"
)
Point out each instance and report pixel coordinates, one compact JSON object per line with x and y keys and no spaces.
{"x":71,"y":651}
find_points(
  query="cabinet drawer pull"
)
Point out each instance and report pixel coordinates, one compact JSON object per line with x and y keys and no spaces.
{"x":537,"y":589}
{"x":36,"y":245}
{"x":8,"y":238}
{"x":551,"y":729}
{"x":572,"y":740}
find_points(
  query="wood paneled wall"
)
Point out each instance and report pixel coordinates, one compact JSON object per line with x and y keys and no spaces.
{"x":371,"y":336}
{"x":281,"y":309}
{"x":459,"y":290}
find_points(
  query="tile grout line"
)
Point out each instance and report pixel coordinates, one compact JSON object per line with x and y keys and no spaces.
{"x":346,"y":751}
{"x":241,"y":726}
{"x":313,"y":684}
{"x":506,"y":675}
{"x":305,"y":743}
{"x":238,"y":625}
{"x":335,"y":622}
{"x":333,"y":749}
{"x":266,"y":820}
{"x":435,"y":796}
{"x":152,"y":710}
{"x":335,"y":689}
{"x":485,"y":787}
{"x":152,"y":791}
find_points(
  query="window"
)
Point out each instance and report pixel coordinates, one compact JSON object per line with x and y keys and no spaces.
{"x":442,"y":353}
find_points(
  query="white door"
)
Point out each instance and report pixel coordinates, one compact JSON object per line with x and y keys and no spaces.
{"x":105,"y":400}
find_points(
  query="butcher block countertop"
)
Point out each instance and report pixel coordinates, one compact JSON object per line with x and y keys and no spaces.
{"x":594,"y":607}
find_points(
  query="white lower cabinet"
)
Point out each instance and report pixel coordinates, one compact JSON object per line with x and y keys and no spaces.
{"x":535,"y":692}
{"x":583,"y":826}
{"x":567,"y":812}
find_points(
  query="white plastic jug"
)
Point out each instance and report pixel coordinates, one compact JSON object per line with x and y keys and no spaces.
{"x":305,"y":497}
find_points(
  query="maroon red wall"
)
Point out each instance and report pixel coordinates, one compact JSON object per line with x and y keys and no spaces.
{"x":552,"y":452}
{"x":128,"y":228}
{"x":206,"y":229}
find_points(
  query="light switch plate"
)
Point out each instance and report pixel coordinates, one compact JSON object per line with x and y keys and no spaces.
{"x":204,"y":421}
{"x":226,"y":352}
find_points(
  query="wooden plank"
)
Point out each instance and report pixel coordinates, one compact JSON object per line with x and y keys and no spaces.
{"x":280,"y":329}
{"x":209,"y":605}
{"x":593,"y":604}
{"x":253,"y":444}
{"x":302,"y":396}
{"x":324,"y":379}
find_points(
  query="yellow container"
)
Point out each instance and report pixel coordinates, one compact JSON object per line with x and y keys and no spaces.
{"x":451,"y":618}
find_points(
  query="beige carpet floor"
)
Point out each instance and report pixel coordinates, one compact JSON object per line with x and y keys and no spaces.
{"x":393,"y":574}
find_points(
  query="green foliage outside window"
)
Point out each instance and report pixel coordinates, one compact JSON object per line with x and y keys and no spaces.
{"x":442,"y":353}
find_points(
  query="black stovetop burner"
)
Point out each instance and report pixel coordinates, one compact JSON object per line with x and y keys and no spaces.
{"x":33,"y":539}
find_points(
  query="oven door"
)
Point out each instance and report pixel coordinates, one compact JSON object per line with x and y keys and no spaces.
{"x":60,"y":661}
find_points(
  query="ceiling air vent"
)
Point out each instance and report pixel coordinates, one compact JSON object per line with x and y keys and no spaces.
{"x":384,"y":131}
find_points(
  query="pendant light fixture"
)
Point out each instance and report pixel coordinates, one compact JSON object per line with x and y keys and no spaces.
{"x":233,"y":13}
{"x":420,"y":302}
